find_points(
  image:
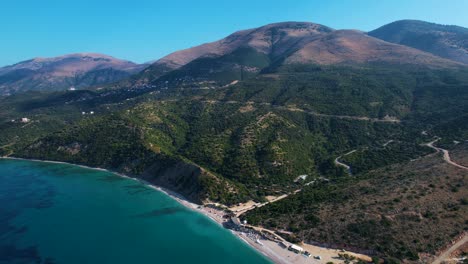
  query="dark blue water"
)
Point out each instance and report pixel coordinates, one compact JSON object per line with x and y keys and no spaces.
{"x":58,"y":213}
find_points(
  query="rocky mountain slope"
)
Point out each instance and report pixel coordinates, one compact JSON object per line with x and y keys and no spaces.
{"x":247,"y":53}
{"x":74,"y":70}
{"x":450,"y":42}
{"x":274,"y":39}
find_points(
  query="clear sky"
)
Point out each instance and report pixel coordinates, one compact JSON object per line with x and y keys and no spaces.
{"x":145,"y":30}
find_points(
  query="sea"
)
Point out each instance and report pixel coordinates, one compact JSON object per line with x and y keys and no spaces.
{"x":61,"y":213}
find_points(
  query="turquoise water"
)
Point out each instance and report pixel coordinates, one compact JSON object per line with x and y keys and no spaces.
{"x":59,"y":213}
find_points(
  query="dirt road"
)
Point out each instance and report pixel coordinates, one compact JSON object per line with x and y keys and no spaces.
{"x":346,"y":166}
{"x":446,"y":154}
{"x":293,"y":109}
{"x":239,"y":210}
{"x":446,"y":254}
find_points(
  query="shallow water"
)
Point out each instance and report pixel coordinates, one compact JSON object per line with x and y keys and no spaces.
{"x":60,"y":213}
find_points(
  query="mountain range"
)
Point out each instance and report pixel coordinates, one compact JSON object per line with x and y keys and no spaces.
{"x":79,"y":70}
{"x":245,"y":118}
{"x":274,"y":45}
{"x":249,"y":52}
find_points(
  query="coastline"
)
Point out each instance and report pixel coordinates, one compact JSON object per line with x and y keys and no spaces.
{"x":209,"y":212}
{"x":267,"y":248}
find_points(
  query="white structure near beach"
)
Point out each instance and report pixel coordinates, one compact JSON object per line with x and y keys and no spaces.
{"x":25,"y":120}
{"x":295,"y":248}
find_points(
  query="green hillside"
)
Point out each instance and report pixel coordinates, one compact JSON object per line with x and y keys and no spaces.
{"x":233,"y":143}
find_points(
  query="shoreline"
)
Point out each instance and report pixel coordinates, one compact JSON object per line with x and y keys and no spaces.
{"x":179,"y":199}
{"x":269,"y":249}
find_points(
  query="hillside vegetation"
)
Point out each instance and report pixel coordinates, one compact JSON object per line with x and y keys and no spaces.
{"x":398,"y":211}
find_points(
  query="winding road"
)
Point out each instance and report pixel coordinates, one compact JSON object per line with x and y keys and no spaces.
{"x":445,"y":152}
{"x":446,"y":254}
{"x":346,"y":166}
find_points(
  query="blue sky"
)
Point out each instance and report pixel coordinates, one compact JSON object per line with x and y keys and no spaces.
{"x":144,"y":30}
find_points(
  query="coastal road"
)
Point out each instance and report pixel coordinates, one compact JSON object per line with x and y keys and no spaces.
{"x":446,"y":154}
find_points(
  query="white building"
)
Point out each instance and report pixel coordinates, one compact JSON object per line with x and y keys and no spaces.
{"x":295,"y":248}
{"x":25,"y":120}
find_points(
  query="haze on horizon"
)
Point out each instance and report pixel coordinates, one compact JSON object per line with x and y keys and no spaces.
{"x":144,"y":30}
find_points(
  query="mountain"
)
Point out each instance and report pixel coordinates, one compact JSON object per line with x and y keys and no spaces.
{"x":74,"y":70}
{"x":273,"y":39}
{"x":249,"y":52}
{"x":450,"y":42}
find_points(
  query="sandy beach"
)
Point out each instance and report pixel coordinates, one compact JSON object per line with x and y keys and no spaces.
{"x":270,"y":249}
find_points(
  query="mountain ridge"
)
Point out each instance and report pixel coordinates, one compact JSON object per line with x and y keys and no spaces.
{"x":180,"y":58}
{"x":78,"y":70}
{"x":447,"y":41}
{"x":290,"y":43}
{"x":242,"y":54}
